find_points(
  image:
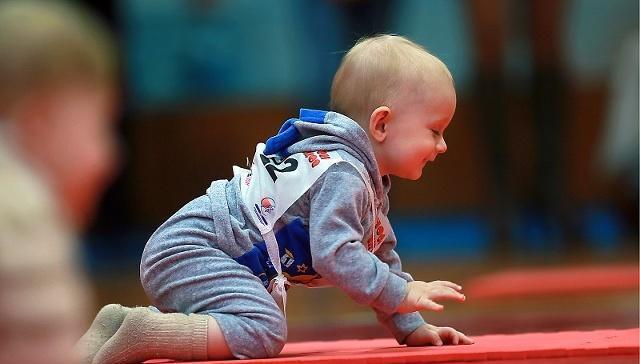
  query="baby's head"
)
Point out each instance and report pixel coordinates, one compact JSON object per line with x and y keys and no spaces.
{"x":57,"y":84}
{"x":402,"y":96}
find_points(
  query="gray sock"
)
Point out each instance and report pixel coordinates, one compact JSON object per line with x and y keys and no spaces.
{"x":106,"y":323}
{"x":145,"y":334}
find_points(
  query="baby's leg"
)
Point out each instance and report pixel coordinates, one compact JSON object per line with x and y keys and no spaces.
{"x":248,"y":318}
{"x":144,"y":329}
{"x":181,"y":272}
{"x":217,"y":347}
{"x":148,"y":334}
{"x":143,"y":335}
{"x":201,"y":279}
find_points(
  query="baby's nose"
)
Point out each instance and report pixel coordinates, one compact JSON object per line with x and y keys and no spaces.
{"x":442,"y":146}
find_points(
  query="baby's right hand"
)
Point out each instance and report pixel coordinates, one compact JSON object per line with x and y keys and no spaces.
{"x":422,"y":295}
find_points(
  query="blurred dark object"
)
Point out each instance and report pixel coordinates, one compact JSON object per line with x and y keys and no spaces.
{"x":547,"y":195}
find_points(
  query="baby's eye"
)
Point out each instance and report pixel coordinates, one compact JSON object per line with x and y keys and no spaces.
{"x":435,"y":132}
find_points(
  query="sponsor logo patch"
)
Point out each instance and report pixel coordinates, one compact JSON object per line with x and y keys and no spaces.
{"x":267,"y":205}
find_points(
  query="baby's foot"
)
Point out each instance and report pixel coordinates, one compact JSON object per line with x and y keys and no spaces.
{"x":106,"y":323}
{"x":146,"y":334}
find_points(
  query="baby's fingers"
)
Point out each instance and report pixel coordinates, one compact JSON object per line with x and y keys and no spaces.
{"x":464,"y":339}
{"x":451,"y":336}
{"x":423,"y":336}
{"x":449,"y":284}
{"x":448,"y":335}
{"x":425,"y":303}
{"x":444,"y":292}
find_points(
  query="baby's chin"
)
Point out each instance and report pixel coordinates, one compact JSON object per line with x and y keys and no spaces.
{"x":417,"y":176}
{"x":412,"y":175}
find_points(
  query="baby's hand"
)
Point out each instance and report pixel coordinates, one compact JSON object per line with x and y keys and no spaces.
{"x":422,"y":295}
{"x":433,"y":335}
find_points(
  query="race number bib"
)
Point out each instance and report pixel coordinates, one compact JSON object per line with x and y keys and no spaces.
{"x":274,"y":184}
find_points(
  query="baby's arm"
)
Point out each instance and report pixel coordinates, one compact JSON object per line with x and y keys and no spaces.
{"x":338,"y":202}
{"x":407,"y":324}
{"x":399,"y":324}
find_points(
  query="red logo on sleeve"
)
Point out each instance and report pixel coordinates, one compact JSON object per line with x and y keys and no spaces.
{"x":381,"y":234}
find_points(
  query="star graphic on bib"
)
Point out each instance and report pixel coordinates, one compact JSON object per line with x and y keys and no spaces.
{"x":302,"y":268}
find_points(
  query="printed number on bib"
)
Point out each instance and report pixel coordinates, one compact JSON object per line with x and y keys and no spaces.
{"x":273,"y":164}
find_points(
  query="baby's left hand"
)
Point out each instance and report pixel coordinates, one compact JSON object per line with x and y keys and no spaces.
{"x":433,"y":335}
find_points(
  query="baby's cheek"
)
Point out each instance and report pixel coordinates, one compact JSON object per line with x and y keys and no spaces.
{"x":421,"y":151}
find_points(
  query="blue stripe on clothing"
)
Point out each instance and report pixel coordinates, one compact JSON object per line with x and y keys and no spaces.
{"x":313,"y":116}
{"x":289,"y":134}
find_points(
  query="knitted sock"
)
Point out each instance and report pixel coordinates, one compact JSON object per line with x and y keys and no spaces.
{"x":145,"y":334}
{"x":106,"y":323}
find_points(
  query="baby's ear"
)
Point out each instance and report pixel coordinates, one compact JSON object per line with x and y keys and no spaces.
{"x":378,"y":123}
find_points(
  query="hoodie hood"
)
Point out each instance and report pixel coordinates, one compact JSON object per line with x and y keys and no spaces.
{"x":326,"y":130}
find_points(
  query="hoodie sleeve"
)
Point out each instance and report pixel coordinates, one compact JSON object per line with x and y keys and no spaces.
{"x":338,"y":203}
{"x":400,"y":325}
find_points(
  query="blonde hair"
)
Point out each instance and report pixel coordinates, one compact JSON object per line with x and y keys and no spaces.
{"x":48,"y":43}
{"x":374,"y":72}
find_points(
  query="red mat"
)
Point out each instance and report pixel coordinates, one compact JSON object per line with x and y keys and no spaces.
{"x":593,"y":344}
{"x":552,"y":281}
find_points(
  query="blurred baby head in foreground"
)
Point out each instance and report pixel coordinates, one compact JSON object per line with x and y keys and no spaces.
{"x":57,"y":98}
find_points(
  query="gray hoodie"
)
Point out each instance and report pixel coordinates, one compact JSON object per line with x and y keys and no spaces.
{"x":323,"y":231}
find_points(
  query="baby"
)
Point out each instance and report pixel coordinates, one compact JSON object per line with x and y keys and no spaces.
{"x":311,"y":210}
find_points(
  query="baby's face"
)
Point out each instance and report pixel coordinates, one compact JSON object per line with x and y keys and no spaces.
{"x":415,"y":133}
{"x":80,"y":149}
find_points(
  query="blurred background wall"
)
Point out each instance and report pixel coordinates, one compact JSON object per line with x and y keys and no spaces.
{"x":542,"y":165}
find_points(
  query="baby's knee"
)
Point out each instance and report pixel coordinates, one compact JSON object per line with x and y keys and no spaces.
{"x":277,"y":339}
{"x":149,"y":277}
{"x":258,"y":337}
{"x":272,"y":334}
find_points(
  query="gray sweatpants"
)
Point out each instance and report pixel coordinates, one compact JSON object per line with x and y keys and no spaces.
{"x":183,"y":270}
